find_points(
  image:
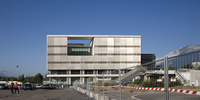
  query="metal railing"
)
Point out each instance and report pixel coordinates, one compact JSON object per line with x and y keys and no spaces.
{"x":145,"y":82}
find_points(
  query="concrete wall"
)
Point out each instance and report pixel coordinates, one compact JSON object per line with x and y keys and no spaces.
{"x":193,"y":77}
{"x":128,"y":50}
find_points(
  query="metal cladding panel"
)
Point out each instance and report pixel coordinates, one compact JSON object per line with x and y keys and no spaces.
{"x":137,"y":58}
{"x":137,"y":50}
{"x":117,"y":41}
{"x":50,"y":58}
{"x":74,"y":58}
{"x":63,"y":41}
{"x":123,"y":65}
{"x":123,"y":50}
{"x":104,"y":41}
{"x":87,"y":58}
{"x":117,"y":58}
{"x":137,"y":41}
{"x":129,"y":50}
{"x":50,"y":66}
{"x":123,"y":41}
{"x":87,"y":66}
{"x":101,"y":58}
{"x":129,"y":58}
{"x":116,"y":66}
{"x":50,"y":41}
{"x":101,"y":66}
{"x":130,"y":41}
{"x":56,"y":66}
{"x":56,"y":41}
{"x":131,"y":65}
{"x":110,"y":41}
{"x":111,"y":58}
{"x":50,"y":50}
{"x":123,"y":58}
{"x":56,"y":50}
{"x":56,"y":58}
{"x":100,"y":41}
{"x":97,"y":41}
{"x":110,"y":50}
{"x":63,"y":50}
{"x":117,"y":50}
{"x":75,"y":66}
{"x":63,"y":66}
{"x":100,"y":50}
{"x":63,"y":58}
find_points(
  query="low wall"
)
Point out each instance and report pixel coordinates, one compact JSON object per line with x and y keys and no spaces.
{"x":92,"y":94}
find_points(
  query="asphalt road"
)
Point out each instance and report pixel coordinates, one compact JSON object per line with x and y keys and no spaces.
{"x":172,"y":96}
{"x":153,"y":96}
{"x":40,"y":94}
{"x":71,"y":94}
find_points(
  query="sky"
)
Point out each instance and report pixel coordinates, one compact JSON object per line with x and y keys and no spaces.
{"x":164,"y":26}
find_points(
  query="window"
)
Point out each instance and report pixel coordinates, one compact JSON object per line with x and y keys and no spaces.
{"x":88,"y":71}
{"x":75,"y":71}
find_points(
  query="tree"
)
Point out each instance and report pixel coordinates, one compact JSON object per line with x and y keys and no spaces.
{"x":21,"y":78}
{"x":187,"y":66}
{"x":137,"y":81}
{"x":171,"y":68}
{"x":2,"y":78}
{"x":38,"y":78}
{"x":28,"y":79}
{"x":11,"y":79}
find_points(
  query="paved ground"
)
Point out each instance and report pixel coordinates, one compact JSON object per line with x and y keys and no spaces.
{"x":71,"y":94}
{"x":40,"y":94}
{"x":153,"y":96}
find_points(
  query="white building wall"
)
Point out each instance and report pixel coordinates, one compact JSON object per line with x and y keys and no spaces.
{"x":125,"y":50}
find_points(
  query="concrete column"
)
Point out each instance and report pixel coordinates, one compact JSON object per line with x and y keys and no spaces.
{"x":123,"y":71}
{"x":69,"y":80}
{"x":83,"y":72}
{"x":148,"y":78}
{"x":94,"y":72}
{"x":94,"y":79}
{"x":145,"y":78}
{"x":49,"y":79}
{"x":69,"y":71}
{"x":83,"y":80}
{"x":66,"y":80}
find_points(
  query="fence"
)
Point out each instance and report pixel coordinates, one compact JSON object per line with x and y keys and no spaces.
{"x":169,"y":78}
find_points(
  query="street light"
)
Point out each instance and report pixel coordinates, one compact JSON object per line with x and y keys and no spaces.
{"x":17,"y":73}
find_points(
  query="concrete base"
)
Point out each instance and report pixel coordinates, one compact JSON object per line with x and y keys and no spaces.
{"x":93,"y":95}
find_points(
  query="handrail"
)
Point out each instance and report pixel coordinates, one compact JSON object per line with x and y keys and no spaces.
{"x":181,"y":76}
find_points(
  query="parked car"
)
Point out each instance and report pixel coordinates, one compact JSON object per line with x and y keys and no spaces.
{"x":2,"y":86}
{"x":49,"y":86}
{"x":28,"y":87}
{"x":20,"y":86}
{"x":38,"y":86}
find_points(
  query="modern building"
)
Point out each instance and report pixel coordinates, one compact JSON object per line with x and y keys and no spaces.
{"x":146,"y":58}
{"x":68,"y":61}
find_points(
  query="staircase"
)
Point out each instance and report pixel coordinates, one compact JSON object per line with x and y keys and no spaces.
{"x":131,"y":74}
{"x":181,"y":77}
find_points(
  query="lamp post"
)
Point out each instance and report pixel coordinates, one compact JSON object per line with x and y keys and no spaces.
{"x":17,"y":73}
